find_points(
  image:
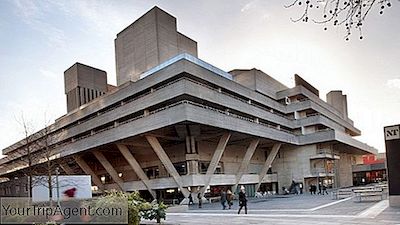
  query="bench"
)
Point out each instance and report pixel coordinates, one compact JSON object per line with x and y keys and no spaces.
{"x":342,"y":193}
{"x":214,"y":199}
{"x":362,"y":195}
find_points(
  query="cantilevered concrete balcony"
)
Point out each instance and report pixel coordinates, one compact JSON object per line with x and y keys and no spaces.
{"x":325,"y":154}
{"x":320,"y":172}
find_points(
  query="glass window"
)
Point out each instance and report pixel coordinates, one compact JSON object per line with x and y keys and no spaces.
{"x":203,"y":166}
{"x":181,"y":168}
{"x":152,"y":172}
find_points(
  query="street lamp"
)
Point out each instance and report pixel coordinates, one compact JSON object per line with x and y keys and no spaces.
{"x":58,"y":186}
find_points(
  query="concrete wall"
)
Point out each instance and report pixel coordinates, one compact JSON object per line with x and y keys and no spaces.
{"x":258,"y":81}
{"x":149,"y":41}
{"x":339,"y":101}
{"x":15,"y":188}
{"x":83,"y":84}
{"x":186,"y":45}
{"x":344,"y":170}
{"x":293,"y":163}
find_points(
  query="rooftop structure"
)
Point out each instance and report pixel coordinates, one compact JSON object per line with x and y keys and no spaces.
{"x":176,"y":124}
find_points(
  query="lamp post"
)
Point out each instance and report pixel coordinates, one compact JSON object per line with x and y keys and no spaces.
{"x":58,"y":186}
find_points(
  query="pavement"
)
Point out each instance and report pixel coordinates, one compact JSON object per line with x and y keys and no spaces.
{"x":293,"y":209}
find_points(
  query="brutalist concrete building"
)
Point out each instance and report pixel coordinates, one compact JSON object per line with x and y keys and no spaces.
{"x":175,"y":124}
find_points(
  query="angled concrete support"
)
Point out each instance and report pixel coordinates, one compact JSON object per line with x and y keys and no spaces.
{"x":245,"y":162}
{"x":64,"y":166}
{"x":155,"y":144}
{"x":109,"y":168}
{"x":86,"y":168}
{"x":136,"y":167}
{"x":223,"y":141}
{"x":268,"y":164}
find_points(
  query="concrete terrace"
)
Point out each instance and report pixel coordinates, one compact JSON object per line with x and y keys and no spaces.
{"x":294,"y":209}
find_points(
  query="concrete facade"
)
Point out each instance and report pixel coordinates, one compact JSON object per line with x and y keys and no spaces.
{"x":83,"y":84}
{"x":146,"y":43}
{"x":176,"y":124}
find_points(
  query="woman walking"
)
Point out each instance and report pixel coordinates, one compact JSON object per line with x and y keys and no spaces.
{"x":229,"y":198}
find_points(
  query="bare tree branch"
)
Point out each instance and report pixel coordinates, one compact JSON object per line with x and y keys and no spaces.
{"x":350,"y":13}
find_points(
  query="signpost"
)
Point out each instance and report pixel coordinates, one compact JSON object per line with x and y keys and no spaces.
{"x":392,"y":143}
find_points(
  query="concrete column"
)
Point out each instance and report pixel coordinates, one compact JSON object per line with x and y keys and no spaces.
{"x":109,"y":168}
{"x":245,"y":162}
{"x":136,"y":167}
{"x":64,"y":166}
{"x":192,"y":144}
{"x":268,"y":163}
{"x":188,"y":146}
{"x":77,"y":98}
{"x":86,"y":168}
{"x":155,"y":144}
{"x":223,"y":141}
{"x":80,"y":95}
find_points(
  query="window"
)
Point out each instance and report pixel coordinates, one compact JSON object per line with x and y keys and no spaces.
{"x":152,"y":172}
{"x":181,"y":168}
{"x":203,"y":166}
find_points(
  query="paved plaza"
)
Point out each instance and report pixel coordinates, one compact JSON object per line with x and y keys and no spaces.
{"x":301,"y":209}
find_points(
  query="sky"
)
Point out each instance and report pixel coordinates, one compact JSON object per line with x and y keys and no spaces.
{"x":39,"y":40}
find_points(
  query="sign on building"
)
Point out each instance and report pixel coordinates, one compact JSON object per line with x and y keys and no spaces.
{"x":392,"y":143}
{"x":392,"y":132}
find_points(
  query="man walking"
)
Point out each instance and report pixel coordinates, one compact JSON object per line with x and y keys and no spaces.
{"x":200,"y":199}
{"x":242,"y":200}
{"x":223,"y":199}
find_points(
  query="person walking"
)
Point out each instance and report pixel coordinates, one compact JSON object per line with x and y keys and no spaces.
{"x":229,"y":198}
{"x":324,"y":189}
{"x":301,"y":188}
{"x":190,"y":199}
{"x":200,"y":199}
{"x":319,"y":188}
{"x":223,"y":199}
{"x":242,"y":200}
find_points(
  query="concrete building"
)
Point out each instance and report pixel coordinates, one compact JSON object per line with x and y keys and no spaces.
{"x":176,"y":124}
{"x":373,"y":169}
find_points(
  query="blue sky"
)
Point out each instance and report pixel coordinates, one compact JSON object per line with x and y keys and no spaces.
{"x":40,"y":39}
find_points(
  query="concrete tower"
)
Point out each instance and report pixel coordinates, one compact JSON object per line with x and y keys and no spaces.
{"x":149,"y":41}
{"x":83,"y":84}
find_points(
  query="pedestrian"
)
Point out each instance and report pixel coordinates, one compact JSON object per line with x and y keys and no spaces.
{"x":310,"y":189}
{"x":324,"y":189}
{"x":229,"y":198}
{"x":319,"y":188}
{"x":314,"y":189}
{"x":301,"y":188}
{"x":242,"y":200}
{"x":223,"y":199}
{"x":200,"y":199}
{"x":190,"y":199}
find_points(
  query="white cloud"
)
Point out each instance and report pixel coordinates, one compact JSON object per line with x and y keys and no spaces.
{"x":393,"y":83}
{"x":101,"y":17}
{"x":48,"y":74}
{"x":248,"y":6}
{"x":32,"y":13}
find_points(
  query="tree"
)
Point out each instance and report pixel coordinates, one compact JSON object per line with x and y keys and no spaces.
{"x":37,"y":156}
{"x":25,"y":153}
{"x":348,"y":13}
